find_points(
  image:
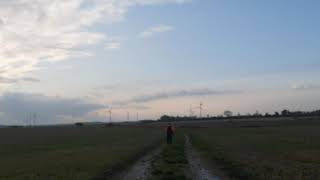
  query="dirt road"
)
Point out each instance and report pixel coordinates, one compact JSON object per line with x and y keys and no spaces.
{"x":200,"y":170}
{"x":141,"y":170}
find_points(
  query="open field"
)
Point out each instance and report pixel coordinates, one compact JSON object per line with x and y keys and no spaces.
{"x":262,"y":150}
{"x":71,"y":153}
{"x":254,"y":149}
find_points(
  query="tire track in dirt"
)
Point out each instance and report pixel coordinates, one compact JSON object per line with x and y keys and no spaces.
{"x":199,"y":169}
{"x":141,"y":170}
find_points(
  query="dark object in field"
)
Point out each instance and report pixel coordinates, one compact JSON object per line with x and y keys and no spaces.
{"x":170,"y":132}
{"x":79,"y":124}
{"x":108,"y":125}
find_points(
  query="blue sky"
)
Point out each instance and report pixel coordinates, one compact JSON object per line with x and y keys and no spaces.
{"x":238,"y":55}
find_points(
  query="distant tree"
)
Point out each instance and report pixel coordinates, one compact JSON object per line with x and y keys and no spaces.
{"x":285,"y":112}
{"x":228,"y":113}
{"x":276,"y":114}
{"x":317,"y":112}
{"x":257,"y":113}
{"x":166,"y":118}
{"x":296,"y":113}
{"x":267,"y":115}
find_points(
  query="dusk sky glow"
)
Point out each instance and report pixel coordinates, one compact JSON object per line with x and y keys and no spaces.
{"x":72,"y":60}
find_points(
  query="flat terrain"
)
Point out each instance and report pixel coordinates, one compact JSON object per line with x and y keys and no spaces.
{"x":70,"y":152}
{"x":246,"y":149}
{"x":262,"y":150}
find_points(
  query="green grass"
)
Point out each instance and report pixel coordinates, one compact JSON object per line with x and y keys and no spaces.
{"x":171,"y":163}
{"x":284,"y":152}
{"x":70,"y":153}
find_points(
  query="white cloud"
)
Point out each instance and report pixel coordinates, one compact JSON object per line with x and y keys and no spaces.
{"x":33,"y":31}
{"x":305,"y":87}
{"x":155,"y":30}
{"x":165,"y":95}
{"x":16,"y":108}
{"x":113,"y":43}
{"x":17,"y":80}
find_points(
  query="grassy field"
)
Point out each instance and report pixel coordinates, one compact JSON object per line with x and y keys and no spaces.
{"x":244,"y":150}
{"x":171,"y":163}
{"x":283,"y":150}
{"x":70,"y":153}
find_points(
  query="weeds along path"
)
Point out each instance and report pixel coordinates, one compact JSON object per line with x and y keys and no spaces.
{"x":178,"y":161}
{"x":165,"y":163}
{"x":199,"y":169}
{"x":141,"y":170}
{"x":171,"y":162}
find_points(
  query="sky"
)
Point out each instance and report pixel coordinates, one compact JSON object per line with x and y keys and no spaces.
{"x":68,"y":61}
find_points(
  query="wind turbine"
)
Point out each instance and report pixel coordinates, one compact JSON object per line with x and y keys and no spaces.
{"x":34,"y":118}
{"x":191,"y":111}
{"x":110,"y":114}
{"x":127,"y":112}
{"x":200,"y":109}
{"x":128,"y":115}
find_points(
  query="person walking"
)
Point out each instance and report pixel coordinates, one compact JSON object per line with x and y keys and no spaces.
{"x":170,"y":132}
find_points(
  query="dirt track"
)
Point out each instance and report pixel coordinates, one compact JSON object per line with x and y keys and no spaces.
{"x":141,"y":170}
{"x":198,"y":168}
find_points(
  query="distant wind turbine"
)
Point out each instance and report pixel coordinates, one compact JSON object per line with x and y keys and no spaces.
{"x":200,"y":109}
{"x":128,"y":116}
{"x":110,"y":115}
{"x":190,"y":111}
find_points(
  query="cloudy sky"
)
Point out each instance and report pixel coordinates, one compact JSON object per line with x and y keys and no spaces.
{"x":66,"y":61}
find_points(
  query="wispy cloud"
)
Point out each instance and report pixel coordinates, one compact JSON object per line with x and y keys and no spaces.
{"x":4,"y":80}
{"x":16,"y":107}
{"x":33,"y":32}
{"x":144,"y":98}
{"x":113,"y":43}
{"x":162,"y":28}
{"x":305,"y":86}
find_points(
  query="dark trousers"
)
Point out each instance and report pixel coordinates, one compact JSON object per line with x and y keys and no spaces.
{"x":169,"y":139}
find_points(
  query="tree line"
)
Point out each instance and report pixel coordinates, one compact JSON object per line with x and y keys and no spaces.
{"x":230,"y":115}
